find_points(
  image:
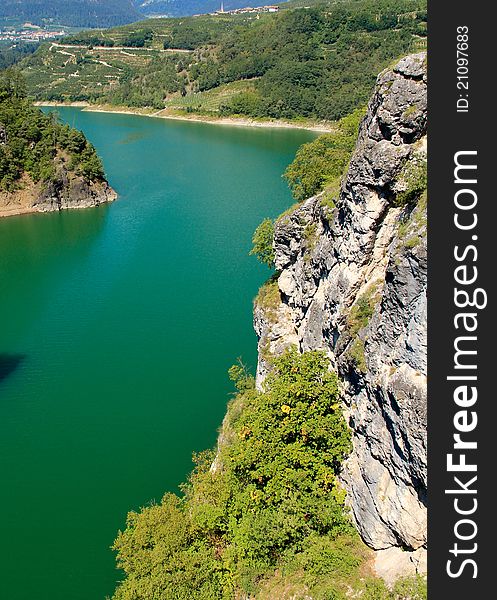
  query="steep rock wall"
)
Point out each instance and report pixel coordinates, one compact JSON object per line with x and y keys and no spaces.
{"x":352,"y":281}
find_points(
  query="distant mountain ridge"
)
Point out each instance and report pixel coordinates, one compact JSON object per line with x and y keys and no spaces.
{"x":109,"y":13}
{"x":75,"y":13}
{"x":181,"y":8}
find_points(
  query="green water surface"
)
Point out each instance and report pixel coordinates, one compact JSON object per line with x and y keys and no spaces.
{"x":117,"y":327}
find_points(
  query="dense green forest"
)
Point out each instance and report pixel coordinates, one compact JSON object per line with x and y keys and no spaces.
{"x":77,"y":13}
{"x":10,"y":53}
{"x":30,"y":141}
{"x":269,"y":518}
{"x":313,"y":63}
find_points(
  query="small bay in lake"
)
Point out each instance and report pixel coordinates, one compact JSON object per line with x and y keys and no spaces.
{"x":118,"y":325}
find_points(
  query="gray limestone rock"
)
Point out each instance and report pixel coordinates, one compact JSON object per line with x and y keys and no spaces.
{"x":368,"y":246}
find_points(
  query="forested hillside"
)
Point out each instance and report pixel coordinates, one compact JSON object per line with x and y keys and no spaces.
{"x":10,"y":53}
{"x":77,"y":13}
{"x":316,"y":63}
{"x":30,"y":141}
{"x":44,"y":165}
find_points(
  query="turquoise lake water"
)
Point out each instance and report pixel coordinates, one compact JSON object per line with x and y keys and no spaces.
{"x":118,"y":326}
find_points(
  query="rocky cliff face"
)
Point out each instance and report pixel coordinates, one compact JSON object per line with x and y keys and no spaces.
{"x":68,"y":190}
{"x":352,"y":281}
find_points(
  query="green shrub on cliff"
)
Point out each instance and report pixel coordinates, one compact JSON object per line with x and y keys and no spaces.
{"x":271,"y":501}
{"x":30,"y":141}
{"x":269,"y":298}
{"x":325,"y":159}
{"x":263,"y":243}
{"x":415,"y":181}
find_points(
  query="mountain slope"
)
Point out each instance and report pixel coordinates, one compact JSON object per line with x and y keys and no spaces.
{"x":316,"y":63}
{"x":75,"y":13}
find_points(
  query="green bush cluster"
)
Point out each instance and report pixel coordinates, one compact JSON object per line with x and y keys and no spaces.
{"x":406,"y":588}
{"x":91,"y":39}
{"x":269,"y":298}
{"x":272,"y":500}
{"x":362,"y":310}
{"x":415,"y":179}
{"x":194,"y":33}
{"x":139,"y":38}
{"x":262,"y":241}
{"x":30,"y":141}
{"x":264,"y":514}
{"x":360,"y":313}
{"x":323,"y":161}
{"x":356,"y":352}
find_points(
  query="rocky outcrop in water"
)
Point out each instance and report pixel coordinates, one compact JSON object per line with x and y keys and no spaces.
{"x":67,"y":190}
{"x":352,"y":281}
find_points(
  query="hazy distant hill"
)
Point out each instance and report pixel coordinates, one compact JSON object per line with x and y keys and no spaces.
{"x":180,"y":8}
{"x":109,"y":13}
{"x":76,"y":13}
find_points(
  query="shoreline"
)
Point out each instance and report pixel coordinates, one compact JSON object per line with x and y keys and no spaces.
{"x":31,"y":210}
{"x":14,"y":212}
{"x":162,"y":114}
{"x":13,"y":209}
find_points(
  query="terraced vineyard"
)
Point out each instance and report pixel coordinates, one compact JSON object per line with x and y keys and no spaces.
{"x":69,"y":72}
